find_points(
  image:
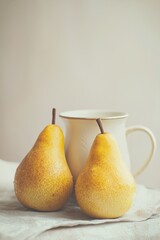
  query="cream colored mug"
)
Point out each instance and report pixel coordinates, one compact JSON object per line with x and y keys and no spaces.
{"x":81,"y":129}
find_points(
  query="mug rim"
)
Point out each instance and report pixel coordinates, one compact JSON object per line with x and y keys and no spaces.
{"x":94,"y":114}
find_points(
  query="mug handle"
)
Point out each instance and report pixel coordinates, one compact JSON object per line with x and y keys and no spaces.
{"x":153,"y":145}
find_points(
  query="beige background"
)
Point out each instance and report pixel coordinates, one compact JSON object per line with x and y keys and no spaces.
{"x":75,"y":55}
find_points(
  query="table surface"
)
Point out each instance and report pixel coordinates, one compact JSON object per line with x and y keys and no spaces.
{"x":19,"y":223}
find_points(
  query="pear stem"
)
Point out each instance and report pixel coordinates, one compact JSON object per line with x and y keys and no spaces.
{"x":99,"y":122}
{"x":53,"y":116}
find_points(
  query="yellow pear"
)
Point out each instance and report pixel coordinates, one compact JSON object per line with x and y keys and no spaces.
{"x":43,"y":180}
{"x":105,"y":188}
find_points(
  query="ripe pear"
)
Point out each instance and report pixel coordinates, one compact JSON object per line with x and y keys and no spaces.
{"x":43,"y":180}
{"x":105,"y":188}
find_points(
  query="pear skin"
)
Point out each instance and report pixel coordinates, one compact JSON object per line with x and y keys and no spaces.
{"x":105,"y":188}
{"x":43,"y":180}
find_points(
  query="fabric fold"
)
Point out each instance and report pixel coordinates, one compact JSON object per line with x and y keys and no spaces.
{"x":19,"y":223}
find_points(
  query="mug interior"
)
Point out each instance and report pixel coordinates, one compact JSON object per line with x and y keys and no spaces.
{"x":93,"y":114}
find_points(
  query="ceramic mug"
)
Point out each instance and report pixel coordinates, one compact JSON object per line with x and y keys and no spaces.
{"x":81,"y":129}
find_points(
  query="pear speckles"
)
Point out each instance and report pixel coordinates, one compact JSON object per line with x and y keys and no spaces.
{"x":105,"y":188}
{"x":43,"y":180}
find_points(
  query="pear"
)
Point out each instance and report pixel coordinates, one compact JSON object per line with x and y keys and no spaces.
{"x":105,"y":188}
{"x":43,"y":180}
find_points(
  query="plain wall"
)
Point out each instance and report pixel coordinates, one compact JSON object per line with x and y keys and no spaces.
{"x":78,"y":55}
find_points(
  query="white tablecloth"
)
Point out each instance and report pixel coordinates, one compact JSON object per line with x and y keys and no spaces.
{"x":142,"y":222}
{"x":19,"y":223}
